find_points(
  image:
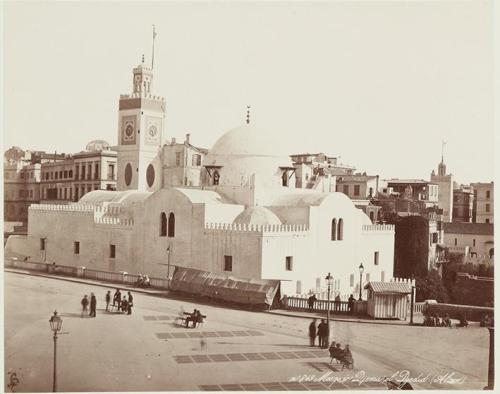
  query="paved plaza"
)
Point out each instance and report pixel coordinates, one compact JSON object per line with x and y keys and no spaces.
{"x":233,"y":350}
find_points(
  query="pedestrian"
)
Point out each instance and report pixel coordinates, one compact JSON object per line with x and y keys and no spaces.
{"x":108,"y":300}
{"x":93,"y":305}
{"x":311,"y":300}
{"x":124,"y":304}
{"x":322,"y":334}
{"x":130,"y":303}
{"x":117,"y":298}
{"x":85,"y":303}
{"x":312,"y":333}
{"x":337,"y":302}
{"x":350,"y":303}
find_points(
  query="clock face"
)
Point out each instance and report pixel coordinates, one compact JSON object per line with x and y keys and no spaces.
{"x":153,"y":130}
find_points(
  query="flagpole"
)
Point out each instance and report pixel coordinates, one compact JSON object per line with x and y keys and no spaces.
{"x":153,"y":55}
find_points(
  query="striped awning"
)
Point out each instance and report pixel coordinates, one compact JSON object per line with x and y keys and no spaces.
{"x":389,"y":287}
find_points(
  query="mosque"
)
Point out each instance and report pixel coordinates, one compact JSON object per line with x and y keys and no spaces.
{"x":236,"y":211}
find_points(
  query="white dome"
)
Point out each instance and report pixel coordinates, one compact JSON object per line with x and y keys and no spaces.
{"x":247,"y":140}
{"x":257,"y":215}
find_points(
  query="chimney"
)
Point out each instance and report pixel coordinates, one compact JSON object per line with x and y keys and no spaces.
{"x":187,"y":138}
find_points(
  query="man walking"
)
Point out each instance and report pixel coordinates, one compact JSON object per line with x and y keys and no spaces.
{"x":311,"y":300}
{"x":312,"y":333}
{"x":93,"y":305}
{"x":130,"y":303}
{"x":117,"y":298}
{"x":85,"y":303}
{"x":322,"y":333}
{"x":108,"y":300}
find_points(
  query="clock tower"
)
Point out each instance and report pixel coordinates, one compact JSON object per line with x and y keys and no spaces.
{"x":141,"y":116}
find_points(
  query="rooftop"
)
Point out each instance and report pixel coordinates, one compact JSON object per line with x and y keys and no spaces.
{"x":389,"y":287}
{"x":469,"y":228}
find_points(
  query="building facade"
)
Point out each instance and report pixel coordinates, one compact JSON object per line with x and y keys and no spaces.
{"x":483,"y":202}
{"x":246,"y":217}
{"x":474,"y":241}
{"x":463,"y":204}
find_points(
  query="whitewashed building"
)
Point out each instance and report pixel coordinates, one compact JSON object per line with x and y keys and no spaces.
{"x":246,"y":217}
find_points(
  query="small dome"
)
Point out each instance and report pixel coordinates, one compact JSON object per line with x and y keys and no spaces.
{"x":257,"y":215}
{"x":97,"y":145}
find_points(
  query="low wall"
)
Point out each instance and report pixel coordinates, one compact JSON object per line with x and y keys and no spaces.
{"x":472,"y":313}
{"x":342,"y":307}
{"x":82,"y":272}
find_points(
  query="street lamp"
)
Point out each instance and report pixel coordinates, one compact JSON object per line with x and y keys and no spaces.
{"x":329,"y":282}
{"x":169,"y":250}
{"x":55,"y":325}
{"x":361,"y":269}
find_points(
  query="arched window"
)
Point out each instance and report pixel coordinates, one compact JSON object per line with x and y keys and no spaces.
{"x":491,"y":253}
{"x":371,"y":216}
{"x":216,"y":178}
{"x":334,"y":230}
{"x":171,"y":225}
{"x":340,"y":230}
{"x":163,"y":225}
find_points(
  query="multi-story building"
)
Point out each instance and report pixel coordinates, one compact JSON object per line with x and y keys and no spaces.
{"x":413,"y":189}
{"x":474,"y":241}
{"x":358,"y":186}
{"x":40,"y":177}
{"x":482,"y":211}
{"x":463,"y":201}
{"x":182,"y":163}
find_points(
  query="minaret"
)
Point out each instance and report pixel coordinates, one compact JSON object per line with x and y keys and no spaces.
{"x":141,"y":117}
{"x":445,"y":192}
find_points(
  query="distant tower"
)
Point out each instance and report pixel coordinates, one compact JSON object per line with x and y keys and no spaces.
{"x":445,"y":183}
{"x":140,"y":130}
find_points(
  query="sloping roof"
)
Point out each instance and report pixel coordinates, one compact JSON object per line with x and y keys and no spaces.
{"x":469,"y":228}
{"x":222,"y":286}
{"x":409,"y":181}
{"x":257,"y":215}
{"x":389,"y":287}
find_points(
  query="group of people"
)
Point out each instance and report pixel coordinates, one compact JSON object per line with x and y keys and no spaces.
{"x":143,"y":281}
{"x":196,"y":318}
{"x":437,"y":321}
{"x":85,"y":305}
{"x":321,"y":331}
{"x":337,"y":302}
{"x":342,"y":355}
{"x":123,"y":305}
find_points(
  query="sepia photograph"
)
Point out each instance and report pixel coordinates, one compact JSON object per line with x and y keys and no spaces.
{"x":248,"y":195}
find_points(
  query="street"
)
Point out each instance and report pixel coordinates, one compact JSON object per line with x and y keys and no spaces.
{"x":233,"y":350}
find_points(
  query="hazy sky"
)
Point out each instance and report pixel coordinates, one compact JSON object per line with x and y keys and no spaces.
{"x":378,"y":83}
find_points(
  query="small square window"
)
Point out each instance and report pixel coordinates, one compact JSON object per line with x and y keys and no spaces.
{"x":76,"y":247}
{"x":289,"y":263}
{"x":228,"y":263}
{"x":112,"y":251}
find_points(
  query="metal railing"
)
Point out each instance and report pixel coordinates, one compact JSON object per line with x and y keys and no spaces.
{"x":302,"y":304}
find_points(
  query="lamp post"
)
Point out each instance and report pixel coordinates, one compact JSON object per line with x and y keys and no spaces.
{"x":361,"y":269}
{"x":169,"y":250}
{"x":55,"y":325}
{"x":329,"y":281}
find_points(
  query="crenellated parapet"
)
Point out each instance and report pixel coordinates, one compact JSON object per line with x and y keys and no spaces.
{"x":114,"y":221}
{"x":378,"y":228}
{"x":141,"y":95}
{"x":61,"y":208}
{"x":256,"y":228}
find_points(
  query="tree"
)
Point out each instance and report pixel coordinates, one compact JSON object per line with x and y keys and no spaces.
{"x":431,"y":287}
